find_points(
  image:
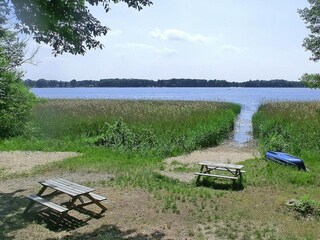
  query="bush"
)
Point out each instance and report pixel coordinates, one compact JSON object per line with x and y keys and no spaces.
{"x":15,"y":99}
{"x":15,"y":105}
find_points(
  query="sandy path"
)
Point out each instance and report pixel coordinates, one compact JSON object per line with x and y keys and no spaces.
{"x":23,"y":161}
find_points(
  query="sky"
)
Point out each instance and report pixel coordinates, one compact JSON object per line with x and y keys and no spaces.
{"x":231,"y":40}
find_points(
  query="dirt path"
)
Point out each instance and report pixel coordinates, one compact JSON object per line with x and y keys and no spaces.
{"x":24,"y":161}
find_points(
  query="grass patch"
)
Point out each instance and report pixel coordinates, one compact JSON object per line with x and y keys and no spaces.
{"x":129,"y":140}
{"x":293,"y":128}
{"x":161,"y":128}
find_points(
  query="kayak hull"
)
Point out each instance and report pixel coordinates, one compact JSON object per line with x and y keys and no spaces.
{"x":286,"y":159}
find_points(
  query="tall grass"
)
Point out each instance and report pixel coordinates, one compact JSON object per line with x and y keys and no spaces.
{"x":292,"y":127}
{"x":288,"y":126}
{"x":158,"y":127}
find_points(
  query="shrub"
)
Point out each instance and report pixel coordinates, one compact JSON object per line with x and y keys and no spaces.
{"x":16,"y":103}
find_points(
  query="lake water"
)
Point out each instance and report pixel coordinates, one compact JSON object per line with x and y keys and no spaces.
{"x":248,"y":98}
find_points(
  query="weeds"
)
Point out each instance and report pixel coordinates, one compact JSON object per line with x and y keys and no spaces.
{"x":306,"y":208}
{"x":148,"y":128}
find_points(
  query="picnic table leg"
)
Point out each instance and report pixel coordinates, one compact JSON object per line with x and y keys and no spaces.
{"x":201,"y":169}
{"x":97,"y":203}
{"x":83,"y":203}
{"x":32,"y":202}
{"x":239,"y":174}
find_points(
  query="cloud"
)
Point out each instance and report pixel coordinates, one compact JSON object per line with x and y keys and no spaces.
{"x":151,"y":48}
{"x":165,"y":51}
{"x":114,"y":32}
{"x":232,"y":48}
{"x":135,"y":46}
{"x":178,"y":35}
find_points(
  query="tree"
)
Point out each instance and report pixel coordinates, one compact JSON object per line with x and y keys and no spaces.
{"x":67,"y":26}
{"x":16,"y":101}
{"x":311,"y":16}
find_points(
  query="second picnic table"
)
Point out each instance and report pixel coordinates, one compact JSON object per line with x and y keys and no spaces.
{"x":207,"y":167}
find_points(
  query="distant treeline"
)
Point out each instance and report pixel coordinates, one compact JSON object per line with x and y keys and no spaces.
{"x":42,"y":83}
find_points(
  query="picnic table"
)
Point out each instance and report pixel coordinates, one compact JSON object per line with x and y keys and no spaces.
{"x":80,"y":196}
{"x":213,"y":169}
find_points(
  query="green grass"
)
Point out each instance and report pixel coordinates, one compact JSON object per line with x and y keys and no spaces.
{"x":135,"y":135}
{"x":257,"y":211}
{"x":129,"y":140}
{"x":154,"y":128}
{"x":293,"y":128}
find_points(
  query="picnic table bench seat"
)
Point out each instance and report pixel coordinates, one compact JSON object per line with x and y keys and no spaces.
{"x":47,"y":203}
{"x":97,"y":197}
{"x":223,"y":169}
{"x":215,"y":175}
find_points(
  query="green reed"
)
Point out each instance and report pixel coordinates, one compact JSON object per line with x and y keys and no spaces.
{"x":291,"y":127}
{"x":288,"y":126}
{"x":165,"y":127}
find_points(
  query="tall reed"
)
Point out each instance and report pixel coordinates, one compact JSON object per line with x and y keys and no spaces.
{"x":159,"y":127}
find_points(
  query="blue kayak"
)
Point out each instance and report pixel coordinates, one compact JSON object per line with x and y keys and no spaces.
{"x":285,"y":158}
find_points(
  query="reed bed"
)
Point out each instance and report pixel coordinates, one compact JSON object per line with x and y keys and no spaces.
{"x":158,"y":127}
{"x":288,"y":126}
{"x":291,"y":127}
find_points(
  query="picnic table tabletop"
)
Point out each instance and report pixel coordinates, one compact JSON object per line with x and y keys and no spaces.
{"x":221,"y":165}
{"x":65,"y":186}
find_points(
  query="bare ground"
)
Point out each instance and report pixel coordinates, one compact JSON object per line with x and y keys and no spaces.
{"x":132,"y":213}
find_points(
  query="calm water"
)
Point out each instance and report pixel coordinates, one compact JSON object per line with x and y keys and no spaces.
{"x":248,"y":98}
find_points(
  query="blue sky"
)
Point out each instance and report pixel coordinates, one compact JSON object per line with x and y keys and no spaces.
{"x":205,"y":39}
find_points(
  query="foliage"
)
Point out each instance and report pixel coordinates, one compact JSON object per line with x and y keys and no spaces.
{"x":288,"y":126}
{"x":42,"y":83}
{"x":68,"y":26}
{"x":311,"y":80}
{"x":311,"y":17}
{"x":119,"y":135}
{"x":306,"y":207}
{"x":158,"y":127}
{"x":15,"y":104}
{"x":311,"y":43}
{"x":257,"y":212}
{"x":292,"y":127}
{"x":15,"y":99}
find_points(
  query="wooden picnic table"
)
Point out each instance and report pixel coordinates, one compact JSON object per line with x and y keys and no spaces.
{"x":208,"y":167}
{"x":80,"y":196}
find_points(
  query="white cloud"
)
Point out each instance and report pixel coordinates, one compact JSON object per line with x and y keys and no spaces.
{"x":151,"y":48}
{"x":114,"y":32}
{"x":233,"y":48}
{"x":178,"y":35}
{"x":134,"y":46}
{"x":165,"y":51}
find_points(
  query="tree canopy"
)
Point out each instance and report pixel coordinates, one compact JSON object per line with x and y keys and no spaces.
{"x":67,"y":26}
{"x":16,"y":101}
{"x":116,"y":82}
{"x":311,"y":16}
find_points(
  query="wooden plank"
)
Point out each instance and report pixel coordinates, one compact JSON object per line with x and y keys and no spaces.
{"x":97,"y":197}
{"x":214,"y":175}
{"x":74,"y":185}
{"x":64,"y":188}
{"x":60,"y":187}
{"x":47,"y":203}
{"x":224,"y":169}
{"x":227,"y":165}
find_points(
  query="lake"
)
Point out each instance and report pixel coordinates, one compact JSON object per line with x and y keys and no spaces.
{"x":248,"y":98}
